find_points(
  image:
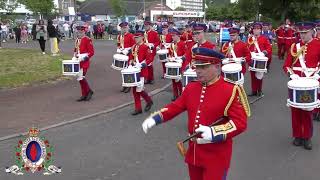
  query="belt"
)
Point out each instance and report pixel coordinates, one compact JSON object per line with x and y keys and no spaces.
{"x":300,"y":69}
{"x":290,"y":38}
{"x":280,"y":37}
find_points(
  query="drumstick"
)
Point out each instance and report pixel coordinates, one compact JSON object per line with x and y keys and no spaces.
{"x":198,"y":133}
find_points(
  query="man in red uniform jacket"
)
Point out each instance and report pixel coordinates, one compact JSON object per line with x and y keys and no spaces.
{"x":209,"y":154}
{"x":177,"y":49}
{"x":140,"y":57}
{"x":152,"y":40}
{"x":165,"y":42}
{"x":199,"y":41}
{"x":125,"y":42}
{"x":255,"y":43}
{"x":236,"y":48}
{"x":187,"y":36}
{"x":289,"y":37}
{"x":83,"y":46}
{"x":296,"y":59}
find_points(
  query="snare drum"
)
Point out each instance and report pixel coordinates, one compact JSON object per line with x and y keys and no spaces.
{"x":232,"y":60}
{"x":120,"y":61}
{"x":259,"y":63}
{"x":70,"y":67}
{"x":188,"y":76}
{"x":303,"y":93}
{"x":232,"y":73}
{"x":130,"y":77}
{"x":173,"y":70}
{"x":163,"y":55}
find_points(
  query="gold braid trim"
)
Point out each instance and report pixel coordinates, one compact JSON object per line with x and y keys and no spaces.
{"x":297,"y":54}
{"x":230,"y":100}
{"x":243,"y":99}
{"x":224,"y":49}
{"x":251,"y":41}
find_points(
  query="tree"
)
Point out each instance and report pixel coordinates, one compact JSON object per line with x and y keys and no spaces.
{"x":118,"y":7}
{"x":42,"y":7}
{"x":180,"y":9}
{"x":9,"y":7}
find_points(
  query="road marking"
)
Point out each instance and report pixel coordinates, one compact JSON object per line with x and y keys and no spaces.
{"x":152,"y":93}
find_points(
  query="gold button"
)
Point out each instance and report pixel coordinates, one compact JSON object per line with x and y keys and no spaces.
{"x":198,"y":117}
{"x":201,"y":100}
{"x":199,"y":111}
{"x":202,"y":96}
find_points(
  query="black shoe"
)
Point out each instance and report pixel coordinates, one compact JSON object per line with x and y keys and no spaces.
{"x":173,"y":98}
{"x":127,"y":90}
{"x":253,"y":94}
{"x":136,"y":112}
{"x":147,"y":82}
{"x":123,"y":89}
{"x":150,"y":81}
{"x":297,"y":142}
{"x":89,"y":96}
{"x":316,"y":117}
{"x":307,"y":144}
{"x":260,"y":93}
{"x":148,"y":106}
{"x":82,"y":98}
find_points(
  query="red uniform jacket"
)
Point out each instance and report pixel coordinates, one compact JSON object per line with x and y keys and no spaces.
{"x":264,"y":45}
{"x":197,"y":99}
{"x":312,"y":58}
{"x":290,"y":37}
{"x":241,"y":50}
{"x":143,"y":56}
{"x":152,"y":37}
{"x":128,"y":40}
{"x":165,"y":39}
{"x":187,"y":37}
{"x":85,"y":46}
{"x":180,"y":50}
{"x":280,"y":35}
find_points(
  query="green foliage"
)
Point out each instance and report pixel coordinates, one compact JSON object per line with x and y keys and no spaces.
{"x":43,"y":7}
{"x":180,"y":9}
{"x":8,"y":6}
{"x":118,"y":7}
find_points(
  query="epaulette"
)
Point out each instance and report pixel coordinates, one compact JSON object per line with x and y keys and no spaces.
{"x":243,"y":99}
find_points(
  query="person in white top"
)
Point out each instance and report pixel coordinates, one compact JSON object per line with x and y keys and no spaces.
{"x":4,"y":29}
{"x":66,"y":27}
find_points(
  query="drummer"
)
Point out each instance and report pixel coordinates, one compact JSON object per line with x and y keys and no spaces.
{"x":125,"y":41}
{"x":83,"y":45}
{"x":152,"y":39}
{"x":258,"y":43}
{"x":140,"y":57}
{"x":296,"y":59}
{"x":177,"y":49}
{"x":237,"y":49}
{"x":165,"y":41}
{"x":187,"y":36}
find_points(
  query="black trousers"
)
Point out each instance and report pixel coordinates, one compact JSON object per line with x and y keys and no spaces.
{"x":42,"y":43}
{"x":18,"y":38}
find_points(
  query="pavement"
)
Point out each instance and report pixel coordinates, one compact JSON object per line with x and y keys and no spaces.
{"x":48,"y":104}
{"x":113,"y":145}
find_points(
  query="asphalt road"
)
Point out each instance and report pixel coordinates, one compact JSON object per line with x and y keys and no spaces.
{"x":113,"y":146}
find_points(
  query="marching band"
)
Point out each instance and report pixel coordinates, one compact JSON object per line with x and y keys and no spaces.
{"x":208,"y":83}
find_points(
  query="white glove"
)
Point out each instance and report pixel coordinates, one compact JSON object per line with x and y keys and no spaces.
{"x":294,"y":76}
{"x":206,"y":133}
{"x":74,"y":58}
{"x":150,"y":45}
{"x":119,"y":50}
{"x":316,"y":76}
{"x":138,"y":65}
{"x":148,"y":124}
{"x":125,"y":52}
{"x":167,"y":45}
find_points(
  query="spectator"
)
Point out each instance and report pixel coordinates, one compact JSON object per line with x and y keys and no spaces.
{"x":110,"y":30}
{"x":24,"y":33}
{"x":95,"y":31}
{"x":66,"y":27}
{"x":18,"y":33}
{"x":52,"y":33}
{"x":34,"y":32}
{"x":4,"y":31}
{"x":41,"y":36}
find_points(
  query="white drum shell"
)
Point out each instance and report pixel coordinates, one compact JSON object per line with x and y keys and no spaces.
{"x":303,"y":85}
{"x":163,"y":55}
{"x":188,"y":76}
{"x":120,"y":62}
{"x":173,"y":66}
{"x":232,"y":70}
{"x":134,"y":74}
{"x":70,"y":67}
